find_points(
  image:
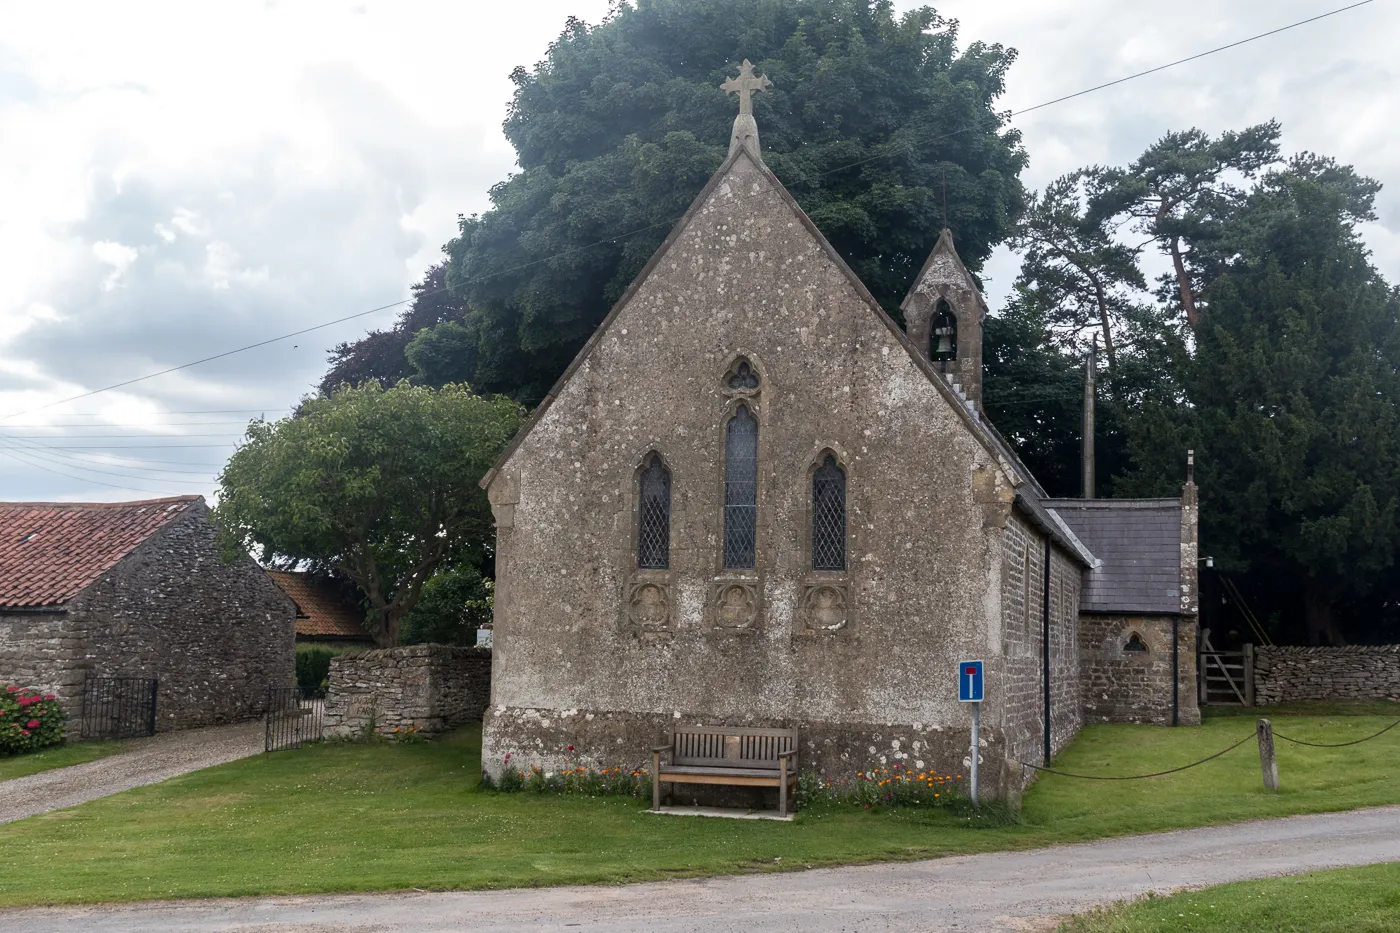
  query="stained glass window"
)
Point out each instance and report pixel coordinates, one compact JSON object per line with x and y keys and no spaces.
{"x":740,"y":490}
{"x":829,"y":516}
{"x":654,"y":517}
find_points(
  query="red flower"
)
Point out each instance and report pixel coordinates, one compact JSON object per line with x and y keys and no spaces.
{"x":571,"y":748}
{"x":50,"y":697}
{"x":13,"y":689}
{"x":33,"y":724}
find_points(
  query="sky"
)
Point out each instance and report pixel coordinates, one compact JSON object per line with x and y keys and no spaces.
{"x":178,"y":180}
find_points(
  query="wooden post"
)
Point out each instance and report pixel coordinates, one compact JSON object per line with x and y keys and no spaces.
{"x":1248,"y":674}
{"x":655,"y":779}
{"x":1267,"y":762}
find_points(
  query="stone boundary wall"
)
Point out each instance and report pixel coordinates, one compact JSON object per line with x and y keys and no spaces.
{"x":1355,"y":672}
{"x":433,"y":687}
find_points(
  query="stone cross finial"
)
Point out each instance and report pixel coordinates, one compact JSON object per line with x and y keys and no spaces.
{"x":745,"y":85}
{"x":745,"y":134}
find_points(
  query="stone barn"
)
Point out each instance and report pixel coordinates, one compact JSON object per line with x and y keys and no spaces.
{"x":138,"y":589}
{"x":753,"y":499}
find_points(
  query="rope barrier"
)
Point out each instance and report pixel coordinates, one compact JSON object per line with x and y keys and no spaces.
{"x":1135,"y":777}
{"x":1368,"y":738}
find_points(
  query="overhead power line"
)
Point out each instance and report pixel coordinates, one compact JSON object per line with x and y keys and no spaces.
{"x":614,"y":239}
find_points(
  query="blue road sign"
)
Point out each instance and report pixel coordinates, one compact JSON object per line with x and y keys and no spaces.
{"x":970,"y":681}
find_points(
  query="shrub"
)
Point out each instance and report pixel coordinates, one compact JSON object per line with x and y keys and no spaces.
{"x":29,"y":721}
{"x":313,"y":667}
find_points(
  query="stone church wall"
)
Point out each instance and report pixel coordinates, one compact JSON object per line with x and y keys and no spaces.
{"x":1355,"y":672}
{"x":1122,"y":684}
{"x":216,"y":635}
{"x":431,"y":687}
{"x":1023,"y":601}
{"x":593,"y":653}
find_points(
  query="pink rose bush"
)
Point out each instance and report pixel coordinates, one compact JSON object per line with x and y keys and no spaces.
{"x":29,"y":721}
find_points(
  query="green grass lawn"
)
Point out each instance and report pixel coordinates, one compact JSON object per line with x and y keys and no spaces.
{"x":338,"y":817}
{"x":1344,"y":900}
{"x":15,"y":766}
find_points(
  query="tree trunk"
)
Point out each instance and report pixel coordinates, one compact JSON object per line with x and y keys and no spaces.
{"x":1317,"y":610}
{"x":1104,"y":324}
{"x":1183,"y":283}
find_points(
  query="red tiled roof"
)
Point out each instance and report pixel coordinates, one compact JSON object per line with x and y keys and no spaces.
{"x":321,"y":610}
{"x":51,"y":551}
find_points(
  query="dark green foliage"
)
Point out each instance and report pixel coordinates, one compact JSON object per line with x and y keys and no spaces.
{"x":380,"y":355}
{"x":453,"y":605}
{"x":1294,"y":400}
{"x":623,"y":123}
{"x":313,"y":667}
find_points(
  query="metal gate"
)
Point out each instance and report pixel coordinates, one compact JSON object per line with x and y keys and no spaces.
{"x":295,"y":716}
{"x":119,"y":707}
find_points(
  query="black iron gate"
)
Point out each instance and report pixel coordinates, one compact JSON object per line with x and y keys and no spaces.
{"x":295,"y":716}
{"x":119,"y":707}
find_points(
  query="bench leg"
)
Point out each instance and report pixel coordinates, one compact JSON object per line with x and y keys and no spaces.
{"x":656,"y":780}
{"x":782,"y":786}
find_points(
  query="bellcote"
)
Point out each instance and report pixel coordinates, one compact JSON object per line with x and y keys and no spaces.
{"x":943,"y":315}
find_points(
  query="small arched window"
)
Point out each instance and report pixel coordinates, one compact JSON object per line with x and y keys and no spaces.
{"x":654,"y":516}
{"x":742,"y":378}
{"x":740,"y":490}
{"x":1135,"y":643}
{"x":943,"y":334}
{"x":829,"y":516}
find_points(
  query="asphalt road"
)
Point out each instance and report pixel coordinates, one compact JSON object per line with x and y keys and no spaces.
{"x":993,"y":893}
{"x":147,"y":761}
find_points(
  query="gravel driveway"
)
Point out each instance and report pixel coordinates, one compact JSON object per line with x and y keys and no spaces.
{"x":147,"y":762}
{"x":999,"y":892}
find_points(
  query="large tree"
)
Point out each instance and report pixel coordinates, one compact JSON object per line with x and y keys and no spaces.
{"x":622,"y":123}
{"x":1292,"y":397}
{"x":378,"y":485}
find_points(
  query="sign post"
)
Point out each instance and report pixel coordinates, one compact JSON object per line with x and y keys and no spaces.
{"x":970,"y":689}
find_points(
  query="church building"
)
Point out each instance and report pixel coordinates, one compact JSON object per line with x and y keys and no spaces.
{"x":753,"y":499}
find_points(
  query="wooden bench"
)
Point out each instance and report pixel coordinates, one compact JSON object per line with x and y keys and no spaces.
{"x":721,"y":755}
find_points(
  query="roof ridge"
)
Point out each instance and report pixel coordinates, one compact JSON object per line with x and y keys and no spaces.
{"x":1161,"y":503}
{"x":7,"y":504}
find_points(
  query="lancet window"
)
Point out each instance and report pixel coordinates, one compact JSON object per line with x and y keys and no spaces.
{"x":741,"y":490}
{"x":829,"y":516}
{"x":654,"y":516}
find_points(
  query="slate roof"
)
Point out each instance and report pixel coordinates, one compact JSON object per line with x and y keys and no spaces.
{"x":322,"y":610}
{"x":52,"y":551}
{"x":1138,"y":543}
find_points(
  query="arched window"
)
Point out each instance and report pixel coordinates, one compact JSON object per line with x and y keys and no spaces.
{"x":740,"y":490}
{"x":1135,"y":643}
{"x":829,"y":516}
{"x":654,"y":516}
{"x":742,"y":377}
{"x":943,"y":334}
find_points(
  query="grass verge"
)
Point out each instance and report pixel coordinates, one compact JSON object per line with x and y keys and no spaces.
{"x":338,"y":817}
{"x":1343,"y":900}
{"x":17,"y":766}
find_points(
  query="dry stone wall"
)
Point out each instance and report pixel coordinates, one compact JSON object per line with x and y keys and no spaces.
{"x":431,"y":687}
{"x":1356,"y":672}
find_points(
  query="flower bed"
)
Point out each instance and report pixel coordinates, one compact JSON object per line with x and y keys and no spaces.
{"x":29,"y":721}
{"x":895,"y":786}
{"x":584,"y":780}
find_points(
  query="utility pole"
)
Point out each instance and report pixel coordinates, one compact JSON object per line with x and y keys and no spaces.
{"x":1088,"y":427}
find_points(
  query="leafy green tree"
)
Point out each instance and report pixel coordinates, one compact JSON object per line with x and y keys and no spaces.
{"x":379,"y":485}
{"x":1293,"y":397}
{"x":622,"y":124}
{"x":454,"y":604}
